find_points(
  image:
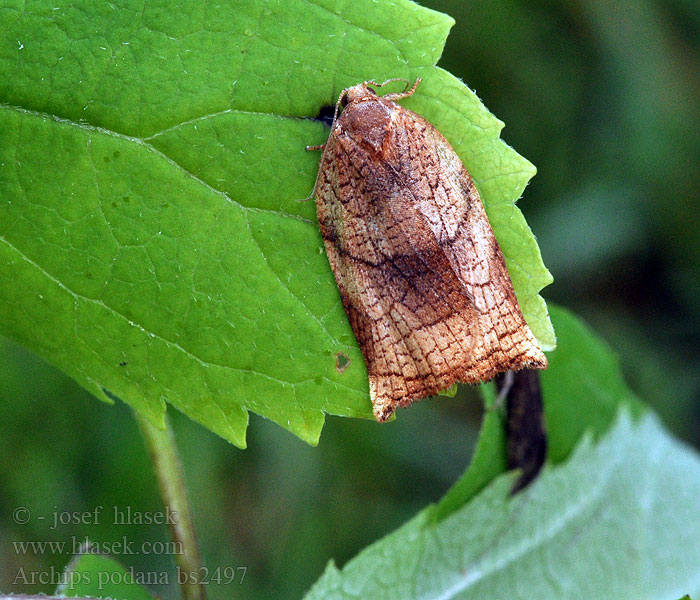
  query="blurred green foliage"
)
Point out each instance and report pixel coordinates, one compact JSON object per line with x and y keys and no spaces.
{"x":603,"y":100}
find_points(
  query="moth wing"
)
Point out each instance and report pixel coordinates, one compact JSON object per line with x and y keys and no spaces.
{"x":407,"y":307}
{"x":447,"y":198}
{"x":409,"y":316}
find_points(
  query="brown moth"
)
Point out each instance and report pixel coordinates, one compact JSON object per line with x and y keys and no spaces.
{"x":420,"y":273}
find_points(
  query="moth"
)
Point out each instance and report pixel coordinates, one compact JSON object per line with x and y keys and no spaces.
{"x":421,"y":276}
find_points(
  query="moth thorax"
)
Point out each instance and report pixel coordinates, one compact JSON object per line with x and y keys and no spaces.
{"x":367,"y":120}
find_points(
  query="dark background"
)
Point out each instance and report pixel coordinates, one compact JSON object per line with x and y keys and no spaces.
{"x":603,"y":99}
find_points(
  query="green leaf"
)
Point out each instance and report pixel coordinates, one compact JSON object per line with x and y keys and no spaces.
{"x":583,"y":387}
{"x":582,"y":391}
{"x":488,"y":461}
{"x":151,"y":159}
{"x":99,"y":576}
{"x":617,"y":520}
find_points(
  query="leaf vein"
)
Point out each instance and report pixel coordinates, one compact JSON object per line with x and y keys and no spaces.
{"x":175,"y":345}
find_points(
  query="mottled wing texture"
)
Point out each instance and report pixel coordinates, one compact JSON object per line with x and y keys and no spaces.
{"x":420,"y":273}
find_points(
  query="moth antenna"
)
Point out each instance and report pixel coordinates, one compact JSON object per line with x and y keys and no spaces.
{"x":337,"y":106}
{"x":323,"y":147}
{"x":406,"y":81}
{"x":406,"y":92}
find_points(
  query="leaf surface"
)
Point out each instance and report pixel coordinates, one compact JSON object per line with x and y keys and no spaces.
{"x":617,"y":520}
{"x":582,"y":391}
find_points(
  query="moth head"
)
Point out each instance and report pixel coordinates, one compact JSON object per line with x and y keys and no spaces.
{"x":365,"y":116}
{"x":357,"y":93}
{"x":365,"y":92}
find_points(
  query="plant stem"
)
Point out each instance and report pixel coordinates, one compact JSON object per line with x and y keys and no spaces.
{"x":171,"y":481}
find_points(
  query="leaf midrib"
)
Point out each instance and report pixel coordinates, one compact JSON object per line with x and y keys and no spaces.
{"x":529,"y":544}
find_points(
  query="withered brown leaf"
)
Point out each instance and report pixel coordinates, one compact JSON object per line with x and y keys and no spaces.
{"x":420,"y":273}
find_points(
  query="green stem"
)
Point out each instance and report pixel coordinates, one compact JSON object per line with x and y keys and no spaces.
{"x":171,"y":481}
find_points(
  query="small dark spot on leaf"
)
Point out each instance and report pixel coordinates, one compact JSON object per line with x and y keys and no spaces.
{"x":106,"y":159}
{"x":325,"y":115}
{"x":116,"y":154}
{"x":88,"y":275}
{"x":341,"y":362}
{"x":114,"y":204}
{"x":122,"y":364}
{"x":125,"y":199}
